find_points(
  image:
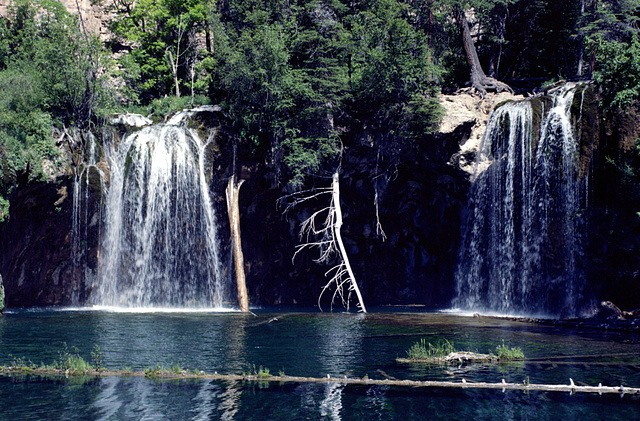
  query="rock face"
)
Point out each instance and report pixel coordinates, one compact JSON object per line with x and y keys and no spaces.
{"x":35,"y":246}
{"x":464,"y":110}
{"x":614,"y":222}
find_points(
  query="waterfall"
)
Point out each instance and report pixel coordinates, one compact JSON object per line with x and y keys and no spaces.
{"x":85,"y":216}
{"x":522,"y":245}
{"x":159,"y":247}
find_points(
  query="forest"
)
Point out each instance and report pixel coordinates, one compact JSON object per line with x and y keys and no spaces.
{"x":295,"y":76}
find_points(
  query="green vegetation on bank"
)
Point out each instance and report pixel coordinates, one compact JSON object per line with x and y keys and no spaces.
{"x":69,"y":362}
{"x":504,"y":353}
{"x":422,"y":350}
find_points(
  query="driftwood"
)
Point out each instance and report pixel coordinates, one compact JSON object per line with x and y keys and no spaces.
{"x":464,"y":384}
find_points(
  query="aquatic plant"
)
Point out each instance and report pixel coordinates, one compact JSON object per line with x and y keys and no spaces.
{"x":96,"y":357}
{"x":445,"y":352}
{"x":259,"y":372}
{"x":71,"y":361}
{"x":423,"y":350}
{"x":504,"y":353}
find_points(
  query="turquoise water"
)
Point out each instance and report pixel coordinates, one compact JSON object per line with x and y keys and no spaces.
{"x":307,"y":344}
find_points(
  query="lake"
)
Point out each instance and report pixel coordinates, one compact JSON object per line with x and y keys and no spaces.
{"x":308,"y":344}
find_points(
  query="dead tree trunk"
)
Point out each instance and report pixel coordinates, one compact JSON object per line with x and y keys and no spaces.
{"x":232,"y":193}
{"x":479,"y":80}
{"x":335,"y":198}
{"x":328,"y":240}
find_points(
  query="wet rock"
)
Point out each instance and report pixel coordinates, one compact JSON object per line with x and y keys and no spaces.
{"x":608,"y":311}
{"x":34,"y":242}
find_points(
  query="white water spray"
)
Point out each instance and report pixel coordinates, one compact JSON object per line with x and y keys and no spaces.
{"x":522,"y":245}
{"x":160,"y":244}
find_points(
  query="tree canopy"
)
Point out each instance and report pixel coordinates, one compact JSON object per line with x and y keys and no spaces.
{"x":49,"y":76}
{"x":299,"y":76}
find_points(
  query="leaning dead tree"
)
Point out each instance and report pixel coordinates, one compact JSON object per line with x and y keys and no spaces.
{"x":232,"y":193}
{"x":322,"y":231}
{"x":478,"y":79}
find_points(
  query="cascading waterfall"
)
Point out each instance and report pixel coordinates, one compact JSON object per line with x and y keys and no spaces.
{"x":87,"y":173}
{"x":522,"y":245}
{"x":160,"y":247}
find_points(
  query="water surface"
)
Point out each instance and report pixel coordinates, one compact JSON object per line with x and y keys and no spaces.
{"x":307,"y":344}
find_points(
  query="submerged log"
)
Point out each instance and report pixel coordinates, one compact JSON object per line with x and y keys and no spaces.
{"x":365,"y":381}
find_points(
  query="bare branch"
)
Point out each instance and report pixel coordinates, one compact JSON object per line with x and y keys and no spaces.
{"x":329,"y":245}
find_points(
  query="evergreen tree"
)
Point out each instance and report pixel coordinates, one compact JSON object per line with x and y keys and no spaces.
{"x":49,"y":77}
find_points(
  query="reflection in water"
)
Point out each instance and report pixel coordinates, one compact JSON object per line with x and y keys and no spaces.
{"x":378,"y":402}
{"x":107,"y":402}
{"x":331,"y":405}
{"x":320,"y":401}
{"x":235,"y":340}
{"x":148,"y":402}
{"x":341,"y":343}
{"x":204,"y":404}
{"x":230,"y":402}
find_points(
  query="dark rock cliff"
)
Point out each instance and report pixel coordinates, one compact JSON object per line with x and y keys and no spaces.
{"x":35,"y":246}
{"x":614,"y":218}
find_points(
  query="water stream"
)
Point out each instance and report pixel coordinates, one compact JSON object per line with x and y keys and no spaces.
{"x":522,"y":245}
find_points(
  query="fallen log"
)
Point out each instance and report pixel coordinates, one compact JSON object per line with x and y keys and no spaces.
{"x":365,"y":381}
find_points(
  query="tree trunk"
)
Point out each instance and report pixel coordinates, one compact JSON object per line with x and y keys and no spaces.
{"x":232,"y":193}
{"x":336,"y":227}
{"x":174,"y":70}
{"x":479,"y":80}
{"x":496,"y":47}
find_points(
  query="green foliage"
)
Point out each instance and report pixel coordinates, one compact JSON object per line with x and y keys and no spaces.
{"x":260,"y":371}
{"x":504,"y":353}
{"x":618,"y":71}
{"x":611,"y":39}
{"x":162,"y":107}
{"x":165,"y":34}
{"x":97,"y":358}
{"x":394,"y":75}
{"x":70,"y":360}
{"x":295,"y":75}
{"x":48,"y":77}
{"x":423,"y":350}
